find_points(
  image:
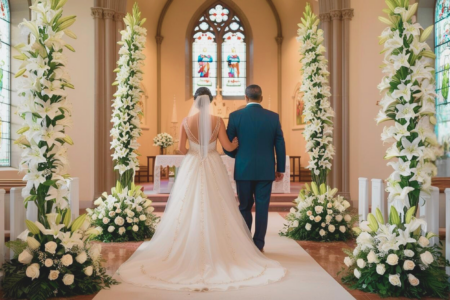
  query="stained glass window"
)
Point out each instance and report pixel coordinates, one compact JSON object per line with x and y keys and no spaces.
{"x":5,"y":89}
{"x":219,"y":52}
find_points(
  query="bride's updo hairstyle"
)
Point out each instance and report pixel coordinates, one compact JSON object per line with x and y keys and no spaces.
{"x":203,"y":91}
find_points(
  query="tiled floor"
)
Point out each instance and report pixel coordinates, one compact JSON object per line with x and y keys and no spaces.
{"x":328,"y":255}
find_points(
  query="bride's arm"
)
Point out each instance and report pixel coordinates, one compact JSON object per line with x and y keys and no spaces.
{"x":183,"y":138}
{"x":223,"y":138}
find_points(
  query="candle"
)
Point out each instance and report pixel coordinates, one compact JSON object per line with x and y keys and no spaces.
{"x":174,"y":111}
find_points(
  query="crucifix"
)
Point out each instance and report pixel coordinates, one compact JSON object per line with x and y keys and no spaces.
{"x":220,"y":108}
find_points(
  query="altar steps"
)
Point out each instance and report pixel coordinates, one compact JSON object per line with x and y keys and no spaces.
{"x":278,"y":202}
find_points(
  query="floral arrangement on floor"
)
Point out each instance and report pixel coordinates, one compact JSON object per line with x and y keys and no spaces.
{"x":319,"y":215}
{"x":318,"y":112}
{"x":125,"y":215}
{"x":395,"y":259}
{"x":55,"y":257}
{"x":408,"y":90}
{"x":163,"y":140}
{"x":56,"y":262}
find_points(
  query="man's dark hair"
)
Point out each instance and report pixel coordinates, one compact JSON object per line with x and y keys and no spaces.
{"x":203,"y":91}
{"x":253,"y":92}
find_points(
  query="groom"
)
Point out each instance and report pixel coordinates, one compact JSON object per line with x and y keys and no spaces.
{"x":259,"y":133}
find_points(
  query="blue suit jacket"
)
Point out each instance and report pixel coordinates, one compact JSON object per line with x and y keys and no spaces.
{"x":260,"y":136}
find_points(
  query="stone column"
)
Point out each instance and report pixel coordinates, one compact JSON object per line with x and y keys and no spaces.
{"x":99,"y":144}
{"x":159,"y":40}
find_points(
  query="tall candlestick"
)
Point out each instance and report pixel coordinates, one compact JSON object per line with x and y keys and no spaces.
{"x":174,"y":111}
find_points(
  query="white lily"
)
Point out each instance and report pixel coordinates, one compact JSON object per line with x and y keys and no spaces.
{"x":411,"y":148}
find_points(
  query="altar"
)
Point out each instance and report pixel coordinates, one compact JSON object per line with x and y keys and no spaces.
{"x":282,"y":187}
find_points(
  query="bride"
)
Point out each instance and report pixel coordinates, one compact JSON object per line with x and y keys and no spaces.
{"x":202,"y":242}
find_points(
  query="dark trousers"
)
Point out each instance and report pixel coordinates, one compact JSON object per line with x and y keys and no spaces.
{"x":249,"y":192}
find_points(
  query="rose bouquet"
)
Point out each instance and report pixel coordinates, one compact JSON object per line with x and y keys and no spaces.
{"x":125,"y":215}
{"x":55,"y":262}
{"x":395,"y":259}
{"x":318,"y":112}
{"x":163,"y":140}
{"x":319,"y":215}
{"x":409,"y":96}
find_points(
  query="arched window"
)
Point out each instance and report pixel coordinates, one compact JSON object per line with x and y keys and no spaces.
{"x":219,"y":52}
{"x":5,"y":89}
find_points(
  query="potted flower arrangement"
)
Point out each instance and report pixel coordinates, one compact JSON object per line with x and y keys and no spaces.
{"x":126,"y":214}
{"x":163,"y":141}
{"x":318,"y":214}
{"x":54,"y":257}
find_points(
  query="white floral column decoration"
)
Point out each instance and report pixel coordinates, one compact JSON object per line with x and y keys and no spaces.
{"x":319,"y":214}
{"x":54,"y":257}
{"x":126,"y":214}
{"x":394,"y":258}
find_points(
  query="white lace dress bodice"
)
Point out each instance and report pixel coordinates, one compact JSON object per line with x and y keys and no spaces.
{"x":202,"y":242}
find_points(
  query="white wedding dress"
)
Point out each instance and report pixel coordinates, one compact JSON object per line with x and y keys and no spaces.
{"x":202,"y":242}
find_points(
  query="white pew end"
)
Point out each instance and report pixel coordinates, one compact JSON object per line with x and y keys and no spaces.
{"x":378,"y":197}
{"x":74,"y":197}
{"x":363,"y":207}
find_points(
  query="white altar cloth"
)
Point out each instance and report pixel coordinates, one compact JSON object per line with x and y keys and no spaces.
{"x":282,"y":187}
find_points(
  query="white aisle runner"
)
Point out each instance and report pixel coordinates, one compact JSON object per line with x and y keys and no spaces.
{"x":305,"y":278}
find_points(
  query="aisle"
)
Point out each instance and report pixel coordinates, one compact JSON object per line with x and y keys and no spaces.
{"x":305,"y":278}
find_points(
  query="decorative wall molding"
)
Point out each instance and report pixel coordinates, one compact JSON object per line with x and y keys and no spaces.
{"x":336,"y":16}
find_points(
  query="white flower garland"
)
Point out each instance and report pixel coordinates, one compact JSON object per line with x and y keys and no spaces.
{"x":44,"y":108}
{"x":126,"y":129}
{"x":318,"y":112}
{"x":408,"y":90}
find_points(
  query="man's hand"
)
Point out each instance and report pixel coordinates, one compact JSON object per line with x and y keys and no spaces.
{"x":278,"y":176}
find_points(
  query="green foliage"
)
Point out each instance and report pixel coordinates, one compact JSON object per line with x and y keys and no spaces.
{"x":16,"y":246}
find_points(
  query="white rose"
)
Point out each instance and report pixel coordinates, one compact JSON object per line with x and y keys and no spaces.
{"x":111,"y":228}
{"x":322,"y":232}
{"x":112,"y":213}
{"x":50,"y":247}
{"x":33,"y":271}
{"x":295,"y":224}
{"x":67,"y":260}
{"x":311,"y":218}
{"x":329,"y":211}
{"x":318,"y":209}
{"x":48,"y":262}
{"x":81,"y":258}
{"x":348,"y":261}
{"x":88,"y":271}
{"x":308,"y":226}
{"x":413,"y":280}
{"x":135,"y":220}
{"x":408,"y":265}
{"x":392,"y":259}
{"x":53,"y":275}
{"x":372,"y":257}
{"x":150,"y":210}
{"x":118,"y":211}
{"x":33,"y":244}
{"x":139,"y":208}
{"x":357,"y":273}
{"x":105,"y":220}
{"x":135,"y":228}
{"x":119,"y":221}
{"x":317,"y":219}
{"x":25,"y":257}
{"x":329,"y":205}
{"x":395,"y":280}
{"x":122,"y":230}
{"x":347,"y":218}
{"x":381,"y":269}
{"x":408,"y":253}
{"x":130,"y":214}
{"x":143,"y":218}
{"x":338,"y":218}
{"x":323,"y":224}
{"x":427,"y":258}
{"x":361,"y":263}
{"x":342,"y":228}
{"x":129,"y":220}
{"x":423,"y":242}
{"x":331,"y":228}
{"x":100,"y":216}
{"x":68,"y":279}
{"x":328,"y":218}
{"x":94,"y":217}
